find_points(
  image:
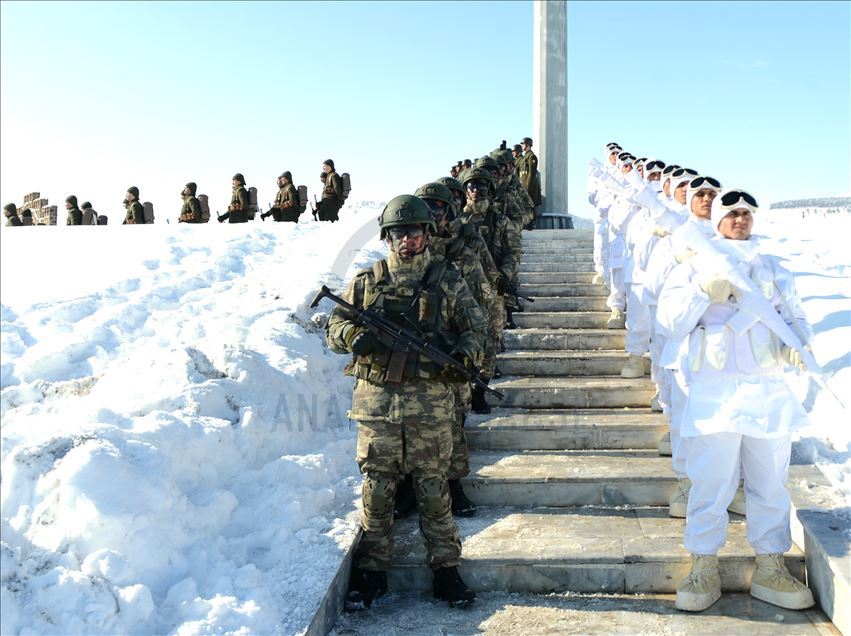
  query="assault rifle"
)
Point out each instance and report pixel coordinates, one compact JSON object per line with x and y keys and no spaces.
{"x":268,"y":213}
{"x":398,"y":338}
{"x":315,"y":211}
{"x":512,"y":291}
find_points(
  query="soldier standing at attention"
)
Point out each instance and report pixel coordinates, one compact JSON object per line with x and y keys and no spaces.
{"x":332,"y":193}
{"x":75,"y":216}
{"x":527,"y":171}
{"x":190,"y":212}
{"x":286,"y":200}
{"x":239,"y":202}
{"x":11,"y":212}
{"x":135,"y":212}
{"x":403,"y":401}
{"x":90,"y":217}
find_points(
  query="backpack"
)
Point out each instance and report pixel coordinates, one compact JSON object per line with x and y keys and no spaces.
{"x":347,"y":185}
{"x":252,"y":203}
{"x":302,"y":199}
{"x":149,"y":211}
{"x":102,"y":219}
{"x":205,"y":207}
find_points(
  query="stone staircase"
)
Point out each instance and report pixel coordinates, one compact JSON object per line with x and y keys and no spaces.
{"x":572,"y":493}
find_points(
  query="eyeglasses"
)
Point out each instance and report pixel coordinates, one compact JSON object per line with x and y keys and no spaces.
{"x":472,"y":186}
{"x":694,"y":184}
{"x":732,"y":197}
{"x":654,"y":165}
{"x":401,"y":231}
{"x":683,"y":172}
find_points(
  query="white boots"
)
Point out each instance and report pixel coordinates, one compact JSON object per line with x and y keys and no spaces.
{"x":702,"y":587}
{"x":598,"y":279}
{"x":773,"y":583}
{"x":634,"y":367}
{"x":678,"y":503}
{"x":617,"y":320}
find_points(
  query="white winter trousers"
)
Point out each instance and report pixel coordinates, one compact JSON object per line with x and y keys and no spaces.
{"x":601,"y":247}
{"x":638,"y":321}
{"x":713,"y":466}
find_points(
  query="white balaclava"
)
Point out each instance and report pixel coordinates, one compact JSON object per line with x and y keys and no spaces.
{"x":703,"y":186}
{"x":719,"y":210}
{"x":651,"y":166}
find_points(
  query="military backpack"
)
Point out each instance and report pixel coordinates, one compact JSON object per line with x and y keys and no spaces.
{"x":302,"y":199}
{"x":252,"y":203}
{"x":347,"y":184}
{"x":204,"y":202}
{"x":149,"y":211}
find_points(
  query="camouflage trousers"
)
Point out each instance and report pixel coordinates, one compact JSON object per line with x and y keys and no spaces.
{"x":492,"y":346}
{"x":405,"y":428}
{"x":459,"y":463}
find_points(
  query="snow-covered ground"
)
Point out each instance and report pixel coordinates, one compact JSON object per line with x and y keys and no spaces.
{"x":176,"y":456}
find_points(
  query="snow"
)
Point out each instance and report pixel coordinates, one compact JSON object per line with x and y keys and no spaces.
{"x":176,"y":456}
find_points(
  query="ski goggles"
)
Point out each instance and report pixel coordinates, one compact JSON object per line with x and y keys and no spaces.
{"x":732,"y":198}
{"x":438,"y":208}
{"x":401,"y":231}
{"x":683,"y":172}
{"x":654,"y":165}
{"x":704,"y":182}
{"x":476,"y":184}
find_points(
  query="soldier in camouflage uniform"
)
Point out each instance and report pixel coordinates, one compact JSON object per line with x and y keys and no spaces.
{"x":190,"y":212}
{"x":504,"y":201}
{"x":332,"y":193}
{"x":403,"y":402}
{"x":10,"y":210}
{"x":26,"y":217}
{"x":239,"y":202}
{"x":135,"y":211}
{"x":502,"y":237}
{"x":75,"y":215}
{"x":527,"y":171}
{"x":286,"y":199}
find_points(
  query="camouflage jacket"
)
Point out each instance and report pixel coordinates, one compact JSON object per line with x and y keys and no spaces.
{"x":439,"y":305}
{"x":287,"y":197}
{"x":333,"y":187}
{"x":506,"y":202}
{"x":135,"y":214}
{"x":75,"y":217}
{"x":191,"y":210}
{"x":502,"y":237}
{"x":13,"y":221}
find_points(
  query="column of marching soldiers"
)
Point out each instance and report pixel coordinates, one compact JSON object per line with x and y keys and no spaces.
{"x":290,"y":203}
{"x":721,"y":321}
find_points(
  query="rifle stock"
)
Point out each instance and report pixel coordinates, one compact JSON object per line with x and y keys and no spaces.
{"x":392,"y":334}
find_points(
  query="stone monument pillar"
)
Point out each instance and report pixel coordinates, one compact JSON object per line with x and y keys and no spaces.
{"x":549,"y":109}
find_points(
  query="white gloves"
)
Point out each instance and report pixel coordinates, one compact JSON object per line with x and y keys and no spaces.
{"x":792,"y":357}
{"x":660,"y":232}
{"x":718,"y":289}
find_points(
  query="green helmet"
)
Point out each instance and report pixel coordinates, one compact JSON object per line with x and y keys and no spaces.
{"x":434,"y":190}
{"x":452,"y":184}
{"x":503,"y":155}
{"x":487,"y":162}
{"x":478,"y":173}
{"x":406,"y":209}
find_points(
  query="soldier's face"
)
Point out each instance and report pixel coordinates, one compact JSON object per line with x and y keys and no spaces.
{"x":640,"y":170}
{"x":185,"y":191}
{"x":680,"y":192}
{"x":524,"y":147}
{"x":326,"y":168}
{"x":68,"y":205}
{"x":701,"y":203}
{"x":476,"y":190}
{"x":407,"y":241}
{"x":737,"y":225}
{"x":625,"y":169}
{"x":235,"y":183}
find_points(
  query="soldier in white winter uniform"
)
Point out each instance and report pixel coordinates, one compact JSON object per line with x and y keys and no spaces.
{"x":739,"y":412}
{"x":599,"y":197}
{"x":620,"y":212}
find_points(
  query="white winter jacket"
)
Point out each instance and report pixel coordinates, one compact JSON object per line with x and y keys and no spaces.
{"x":734,"y":377}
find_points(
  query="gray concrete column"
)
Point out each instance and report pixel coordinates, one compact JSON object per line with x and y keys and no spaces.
{"x":549,"y":102}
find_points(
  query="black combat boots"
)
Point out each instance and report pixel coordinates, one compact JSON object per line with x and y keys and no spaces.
{"x":478,"y":402}
{"x":509,"y":323}
{"x":448,"y":586}
{"x":461,"y":506}
{"x":406,"y":498}
{"x":364,"y":587}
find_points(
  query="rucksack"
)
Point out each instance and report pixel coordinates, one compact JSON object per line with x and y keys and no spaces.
{"x":205,"y":207}
{"x":347,"y":185}
{"x":302,"y":199}
{"x":252,"y":202}
{"x":149,"y":211}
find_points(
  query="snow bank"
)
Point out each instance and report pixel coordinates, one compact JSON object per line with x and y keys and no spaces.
{"x":175,"y":451}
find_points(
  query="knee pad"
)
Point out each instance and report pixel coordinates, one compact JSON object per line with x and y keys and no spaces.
{"x":432,"y":495}
{"x":379,"y":492}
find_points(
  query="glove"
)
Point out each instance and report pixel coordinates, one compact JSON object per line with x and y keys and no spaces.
{"x":660,"y":232}
{"x":364,"y":343}
{"x":792,"y":357}
{"x":451,"y":374}
{"x":501,"y":284}
{"x":718,"y":289}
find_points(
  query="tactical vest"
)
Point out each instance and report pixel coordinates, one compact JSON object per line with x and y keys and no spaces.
{"x":417,"y":310}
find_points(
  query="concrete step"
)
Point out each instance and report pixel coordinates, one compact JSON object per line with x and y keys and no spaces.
{"x":416,"y":613}
{"x":558,"y":247}
{"x":566,"y":257}
{"x":562,"y":303}
{"x":544,"y":236}
{"x":570,"y":478}
{"x":561,"y":319}
{"x":563,"y":429}
{"x":557,"y":251}
{"x":579,"y":339}
{"x":563,"y":289}
{"x":572,"y":392}
{"x":546,"y":550}
{"x":572,"y":266}
{"x":563,"y":363}
{"x":537,"y":278}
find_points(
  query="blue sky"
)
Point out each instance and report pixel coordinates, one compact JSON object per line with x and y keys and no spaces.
{"x":109,"y":95}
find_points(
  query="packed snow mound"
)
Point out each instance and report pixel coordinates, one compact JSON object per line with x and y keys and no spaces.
{"x":176,"y":454}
